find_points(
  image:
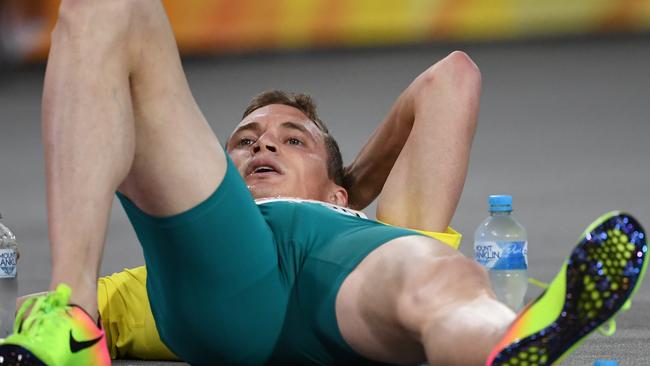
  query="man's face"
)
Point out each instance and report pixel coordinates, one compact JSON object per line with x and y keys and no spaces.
{"x":280,"y":152}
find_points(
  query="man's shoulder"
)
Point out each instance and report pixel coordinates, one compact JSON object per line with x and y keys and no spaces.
{"x":336,"y":208}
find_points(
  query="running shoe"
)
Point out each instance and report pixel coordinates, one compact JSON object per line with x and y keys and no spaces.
{"x":598,"y":280}
{"x":54,"y":334}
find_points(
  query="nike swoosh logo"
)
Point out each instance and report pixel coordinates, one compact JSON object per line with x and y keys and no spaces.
{"x":76,"y":346}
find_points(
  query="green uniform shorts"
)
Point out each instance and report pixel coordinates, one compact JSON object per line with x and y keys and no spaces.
{"x":235,"y":282}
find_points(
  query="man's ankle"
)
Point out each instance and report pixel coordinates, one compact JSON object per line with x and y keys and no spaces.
{"x":83,"y":297}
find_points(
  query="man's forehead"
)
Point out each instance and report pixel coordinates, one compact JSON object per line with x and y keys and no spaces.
{"x":277,"y":114}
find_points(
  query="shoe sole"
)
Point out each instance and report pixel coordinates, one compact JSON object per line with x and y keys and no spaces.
{"x":13,"y":355}
{"x":604,"y":270}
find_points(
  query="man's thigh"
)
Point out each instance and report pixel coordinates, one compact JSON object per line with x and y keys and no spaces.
{"x":372,"y":312}
{"x":178,"y":160}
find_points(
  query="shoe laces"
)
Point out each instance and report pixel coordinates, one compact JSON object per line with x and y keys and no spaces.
{"x":609,"y":328}
{"x":42,"y":309}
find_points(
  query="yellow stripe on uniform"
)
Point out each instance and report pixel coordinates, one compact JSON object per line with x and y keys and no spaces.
{"x":450,"y":237}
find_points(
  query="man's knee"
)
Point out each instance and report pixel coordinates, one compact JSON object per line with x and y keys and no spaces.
{"x":452,"y":277}
{"x":466,"y":271}
{"x":435,"y":285}
{"x":93,"y":14}
{"x":94,"y":23}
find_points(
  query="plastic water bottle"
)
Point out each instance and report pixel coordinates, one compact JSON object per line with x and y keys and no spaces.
{"x":8,"y":280}
{"x":501,"y":246}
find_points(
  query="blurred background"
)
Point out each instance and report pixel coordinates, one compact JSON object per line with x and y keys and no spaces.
{"x":230,"y":26}
{"x":563,"y":126}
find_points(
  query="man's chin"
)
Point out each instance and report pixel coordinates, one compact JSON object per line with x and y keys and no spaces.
{"x":260,"y":191}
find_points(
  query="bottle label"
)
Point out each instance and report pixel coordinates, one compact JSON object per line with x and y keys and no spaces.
{"x":7,"y":263}
{"x":502,"y":254}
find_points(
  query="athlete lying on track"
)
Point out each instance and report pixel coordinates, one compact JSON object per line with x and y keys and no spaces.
{"x":280,"y":281}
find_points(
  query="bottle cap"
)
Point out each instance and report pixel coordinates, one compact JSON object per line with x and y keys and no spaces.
{"x":605,"y":363}
{"x":500,"y":203}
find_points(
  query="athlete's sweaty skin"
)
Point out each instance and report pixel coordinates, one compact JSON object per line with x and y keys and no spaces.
{"x":118,"y":115}
{"x":284,"y":140}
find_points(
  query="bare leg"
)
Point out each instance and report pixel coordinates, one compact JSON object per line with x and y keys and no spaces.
{"x":433,"y":304}
{"x":424,"y":185}
{"x":117,"y":112}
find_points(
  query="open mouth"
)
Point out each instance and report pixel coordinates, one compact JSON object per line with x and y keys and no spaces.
{"x":263,"y":167}
{"x":264,"y":170}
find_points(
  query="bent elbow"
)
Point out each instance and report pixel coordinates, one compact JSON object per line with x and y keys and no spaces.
{"x":462,"y":65}
{"x":457,"y":70}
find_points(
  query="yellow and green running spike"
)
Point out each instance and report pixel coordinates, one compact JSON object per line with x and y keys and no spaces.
{"x":54,"y":333}
{"x":598,"y":280}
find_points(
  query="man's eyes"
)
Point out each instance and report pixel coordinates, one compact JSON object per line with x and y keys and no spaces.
{"x":294,"y":141}
{"x":245,"y":141}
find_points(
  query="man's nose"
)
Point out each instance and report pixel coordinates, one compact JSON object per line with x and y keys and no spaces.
{"x":264,"y":145}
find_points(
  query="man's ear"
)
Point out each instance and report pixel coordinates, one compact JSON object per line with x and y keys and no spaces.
{"x":338,"y":196}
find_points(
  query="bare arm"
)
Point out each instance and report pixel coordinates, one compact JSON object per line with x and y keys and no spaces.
{"x":365,"y":177}
{"x":418,"y":157}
